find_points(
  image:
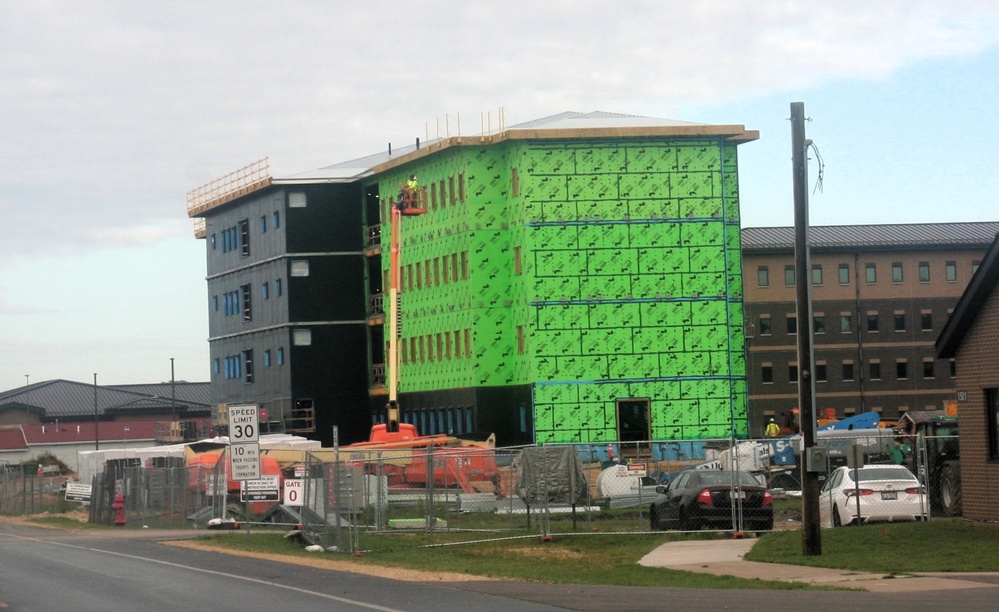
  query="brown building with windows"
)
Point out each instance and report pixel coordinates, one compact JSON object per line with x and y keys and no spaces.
{"x":971,"y":336}
{"x":881,"y":294}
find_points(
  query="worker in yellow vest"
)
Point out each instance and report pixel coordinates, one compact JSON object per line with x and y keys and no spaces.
{"x":773,"y":429}
{"x":408,"y":193}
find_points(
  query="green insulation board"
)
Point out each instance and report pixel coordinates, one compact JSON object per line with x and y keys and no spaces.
{"x":591,"y":270}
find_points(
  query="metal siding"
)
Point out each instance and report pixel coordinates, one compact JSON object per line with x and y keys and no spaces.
{"x":917,"y":235}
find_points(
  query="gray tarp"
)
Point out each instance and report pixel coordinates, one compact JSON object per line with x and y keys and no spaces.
{"x":550,"y":474}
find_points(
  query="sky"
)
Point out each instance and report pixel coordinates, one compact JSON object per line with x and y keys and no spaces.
{"x":110,"y":112}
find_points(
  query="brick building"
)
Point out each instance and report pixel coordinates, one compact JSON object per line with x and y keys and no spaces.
{"x":880,"y":296}
{"x":971,"y":337}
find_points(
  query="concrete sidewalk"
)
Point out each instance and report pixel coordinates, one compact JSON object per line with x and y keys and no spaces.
{"x":725,"y":558}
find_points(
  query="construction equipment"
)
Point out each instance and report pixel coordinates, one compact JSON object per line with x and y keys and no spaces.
{"x":834,"y":438}
{"x":409,"y":204}
{"x":928,"y":446}
{"x":408,"y":459}
{"x":778,"y":460}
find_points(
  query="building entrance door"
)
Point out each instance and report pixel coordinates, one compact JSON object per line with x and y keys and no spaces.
{"x":633,"y":422}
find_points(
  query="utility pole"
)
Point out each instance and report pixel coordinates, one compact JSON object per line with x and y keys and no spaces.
{"x":97,"y":436}
{"x":173,"y":395}
{"x":811,"y":536}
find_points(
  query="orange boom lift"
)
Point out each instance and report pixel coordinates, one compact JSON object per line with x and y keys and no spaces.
{"x":467,"y":464}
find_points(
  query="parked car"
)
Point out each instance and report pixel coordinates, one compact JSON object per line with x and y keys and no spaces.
{"x":715,"y":498}
{"x":874,"y":493}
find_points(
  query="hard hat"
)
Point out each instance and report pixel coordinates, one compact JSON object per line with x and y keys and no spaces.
{"x":771,"y":419}
{"x":412,"y":177}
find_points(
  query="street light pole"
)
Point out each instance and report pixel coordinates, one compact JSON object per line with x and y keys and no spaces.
{"x":173,"y":395}
{"x":97,"y":436}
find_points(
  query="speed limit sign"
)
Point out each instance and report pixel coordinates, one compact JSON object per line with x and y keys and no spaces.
{"x":244,"y":424}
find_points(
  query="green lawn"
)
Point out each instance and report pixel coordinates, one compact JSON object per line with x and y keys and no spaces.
{"x":942,"y":545}
{"x":898,"y":548}
{"x":587,"y":557}
{"x":565,"y":559}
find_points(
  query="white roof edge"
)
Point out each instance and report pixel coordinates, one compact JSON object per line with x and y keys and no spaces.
{"x":347,"y":172}
{"x":324,"y":175}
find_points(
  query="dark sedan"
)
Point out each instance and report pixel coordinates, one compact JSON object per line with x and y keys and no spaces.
{"x":695,"y":499}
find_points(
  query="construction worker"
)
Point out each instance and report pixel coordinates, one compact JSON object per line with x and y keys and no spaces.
{"x":407,"y":195}
{"x":773,"y":429}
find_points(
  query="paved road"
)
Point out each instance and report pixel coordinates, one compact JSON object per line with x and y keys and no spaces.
{"x":43,"y":570}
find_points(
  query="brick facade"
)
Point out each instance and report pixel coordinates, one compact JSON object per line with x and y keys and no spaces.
{"x":978,"y":369}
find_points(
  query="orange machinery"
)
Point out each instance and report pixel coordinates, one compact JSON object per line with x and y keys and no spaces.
{"x":404,"y":453}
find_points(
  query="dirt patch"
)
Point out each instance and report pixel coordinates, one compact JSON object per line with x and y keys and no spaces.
{"x":539,"y":552}
{"x":81,"y":516}
{"x":322,"y":561}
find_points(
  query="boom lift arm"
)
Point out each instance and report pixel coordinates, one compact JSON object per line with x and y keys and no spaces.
{"x":410,"y":203}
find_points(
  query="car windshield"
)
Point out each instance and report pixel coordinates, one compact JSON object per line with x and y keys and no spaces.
{"x":726,"y":478}
{"x":886,"y":473}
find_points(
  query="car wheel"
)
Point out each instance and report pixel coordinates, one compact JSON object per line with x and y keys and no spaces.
{"x":686,"y":523}
{"x":837,"y":521}
{"x":762,"y":527}
{"x":654,"y":523}
{"x":950,"y":492}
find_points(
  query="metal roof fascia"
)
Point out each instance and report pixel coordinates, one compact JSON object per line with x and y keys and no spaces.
{"x":303,"y":179}
{"x":969,"y":304}
{"x":733,"y":133}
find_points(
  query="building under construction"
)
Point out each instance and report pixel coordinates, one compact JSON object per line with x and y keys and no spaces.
{"x":577,"y":278}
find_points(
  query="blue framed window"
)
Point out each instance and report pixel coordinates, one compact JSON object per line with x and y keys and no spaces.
{"x":211,"y":240}
{"x":280,"y":355}
{"x":215,"y":303}
{"x":277,"y":287}
{"x":265,"y":290}
{"x":263,"y":225}
{"x":216,"y":367}
{"x":267,"y":358}
{"x":276,"y":219}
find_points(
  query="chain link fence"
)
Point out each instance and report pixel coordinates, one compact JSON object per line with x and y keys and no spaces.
{"x":26,"y":490}
{"x":341,"y":498}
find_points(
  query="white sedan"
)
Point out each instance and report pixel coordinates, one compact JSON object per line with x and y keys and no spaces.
{"x":874,"y":493}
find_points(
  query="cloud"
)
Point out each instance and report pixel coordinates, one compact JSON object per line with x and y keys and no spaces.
{"x":110,"y":112}
{"x":13,"y":309}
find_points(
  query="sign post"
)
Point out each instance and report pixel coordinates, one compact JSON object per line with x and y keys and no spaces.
{"x":244,"y":442}
{"x":78,"y":492}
